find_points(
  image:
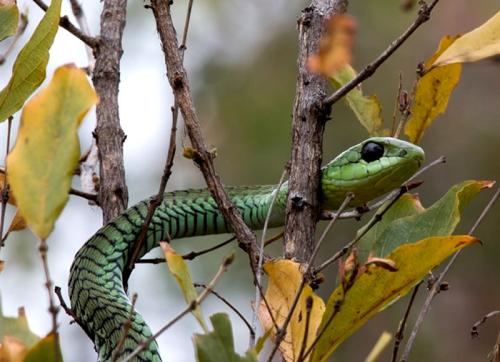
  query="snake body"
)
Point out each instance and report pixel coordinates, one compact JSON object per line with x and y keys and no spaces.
{"x":98,"y":299}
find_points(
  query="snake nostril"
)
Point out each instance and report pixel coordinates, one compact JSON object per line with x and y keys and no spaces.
{"x":403,"y":153}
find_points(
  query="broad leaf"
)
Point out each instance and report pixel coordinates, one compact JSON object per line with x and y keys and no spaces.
{"x":376,"y":288}
{"x":47,"y":149}
{"x":284,"y":278}
{"x":432,"y":93}
{"x":9,"y":18}
{"x":28,"y":71}
{"x":366,"y":108}
{"x":218,"y":345}
{"x":440,"y":219}
{"x":47,"y":349}
{"x":480,"y":43}
{"x":179,"y":269}
{"x":17,"y":327}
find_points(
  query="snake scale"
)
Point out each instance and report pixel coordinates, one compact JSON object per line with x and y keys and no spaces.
{"x":98,"y":300}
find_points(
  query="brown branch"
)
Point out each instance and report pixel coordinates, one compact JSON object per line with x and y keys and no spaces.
{"x":424,"y":14}
{"x":192,"y":306}
{"x":474,"y":330}
{"x":5,"y":190}
{"x":202,"y":156}
{"x":437,"y":284}
{"x":84,"y":195}
{"x":113,"y":193}
{"x":126,"y":328}
{"x":309,"y":305}
{"x":309,"y":117}
{"x":65,"y":23}
{"x":167,"y":170}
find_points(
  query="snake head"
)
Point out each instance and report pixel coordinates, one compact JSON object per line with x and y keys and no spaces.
{"x":369,"y":170}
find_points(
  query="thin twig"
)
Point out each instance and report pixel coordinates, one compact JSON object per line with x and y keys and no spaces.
{"x":167,"y":171}
{"x":396,"y":104}
{"x":226,"y":302}
{"x":65,"y":23}
{"x":258,"y":272}
{"x":281,"y":332}
{"x":424,"y":14}
{"x":53,"y":310}
{"x":85,"y":195}
{"x":192,"y":306}
{"x":309,"y":305}
{"x":5,"y":189}
{"x":126,"y":327}
{"x":436,"y":286}
{"x":189,"y":256}
{"x":474,"y":330}
{"x":399,"y":335}
{"x":81,"y":19}
{"x":69,"y":312}
{"x":357,"y":213}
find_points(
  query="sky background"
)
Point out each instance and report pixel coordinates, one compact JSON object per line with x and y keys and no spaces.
{"x":241,"y":61}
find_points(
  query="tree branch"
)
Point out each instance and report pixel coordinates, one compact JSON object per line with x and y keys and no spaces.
{"x":113,"y":194}
{"x":202,"y":157}
{"x":309,"y":117}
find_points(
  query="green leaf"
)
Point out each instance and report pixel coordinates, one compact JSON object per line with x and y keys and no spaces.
{"x":366,"y":108}
{"x":440,"y":219}
{"x":375,"y":288}
{"x":17,"y":327}
{"x":47,"y":349}
{"x":9,"y":18}
{"x":47,"y":149}
{"x":28,"y":71}
{"x":218,"y":345}
{"x":407,"y":205}
{"x":432,"y":93}
{"x":179,"y":269}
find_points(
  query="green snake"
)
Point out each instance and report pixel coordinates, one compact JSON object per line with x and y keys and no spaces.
{"x":98,"y":300}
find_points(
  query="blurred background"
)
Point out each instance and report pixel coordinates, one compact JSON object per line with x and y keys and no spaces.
{"x":241,"y":60}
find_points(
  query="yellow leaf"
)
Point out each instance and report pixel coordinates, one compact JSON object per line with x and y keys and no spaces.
{"x":477,"y":44}
{"x":284,"y":280}
{"x":3,"y":184}
{"x":377,"y":287}
{"x":47,"y":149}
{"x":47,"y":349}
{"x":432,"y":93}
{"x":382,"y":342}
{"x":179,"y":269}
{"x":366,"y":108}
{"x":17,"y":223}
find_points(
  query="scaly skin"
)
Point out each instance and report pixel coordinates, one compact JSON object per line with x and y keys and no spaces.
{"x":96,"y":286}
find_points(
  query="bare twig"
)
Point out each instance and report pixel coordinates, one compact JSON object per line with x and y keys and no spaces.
{"x":474,"y":330}
{"x":65,"y":23}
{"x":436,"y":286}
{"x":5,"y":190}
{"x":424,"y":14}
{"x":126,"y":327}
{"x":233,"y":308}
{"x":189,"y":256}
{"x":357,"y":213}
{"x":201,"y":155}
{"x":167,"y":170}
{"x":309,"y":305}
{"x":81,"y":19}
{"x":258,"y":272}
{"x":192,"y":306}
{"x":399,"y":335}
{"x":53,"y":310}
{"x":281,"y":332}
{"x":84,"y":195}
{"x":396,"y":104}
{"x":70,"y":312}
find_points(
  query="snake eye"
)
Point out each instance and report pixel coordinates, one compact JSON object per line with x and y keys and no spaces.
{"x":372,"y":151}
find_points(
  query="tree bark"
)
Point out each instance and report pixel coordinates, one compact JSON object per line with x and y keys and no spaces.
{"x":309,"y":117}
{"x":113,"y":193}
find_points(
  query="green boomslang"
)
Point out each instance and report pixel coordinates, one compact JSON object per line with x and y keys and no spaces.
{"x":368,"y":169}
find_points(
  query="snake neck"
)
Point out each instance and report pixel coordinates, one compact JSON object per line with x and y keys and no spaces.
{"x":96,"y":288}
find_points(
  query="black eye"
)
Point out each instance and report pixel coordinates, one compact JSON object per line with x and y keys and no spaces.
{"x":372,"y":151}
